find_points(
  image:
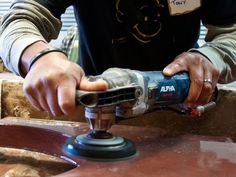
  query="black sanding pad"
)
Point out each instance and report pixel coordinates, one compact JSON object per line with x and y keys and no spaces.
{"x":108,"y":148}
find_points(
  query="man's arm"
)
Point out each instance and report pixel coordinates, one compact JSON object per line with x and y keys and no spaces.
{"x":215,"y":62}
{"x":51,"y":81}
{"x":27,"y":23}
{"x":70,"y":44}
{"x":220,"y":49}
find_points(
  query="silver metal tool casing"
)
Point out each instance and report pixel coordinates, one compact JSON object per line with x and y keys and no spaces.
{"x":100,"y":118}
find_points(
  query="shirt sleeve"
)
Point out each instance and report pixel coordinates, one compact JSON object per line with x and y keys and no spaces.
{"x":220,"y":49}
{"x":26,"y":23}
{"x":70,"y":44}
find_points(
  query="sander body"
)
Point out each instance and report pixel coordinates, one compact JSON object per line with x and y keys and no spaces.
{"x":147,"y":92}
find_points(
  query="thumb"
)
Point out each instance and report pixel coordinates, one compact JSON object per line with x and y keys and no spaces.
{"x":97,"y":85}
{"x":173,"y":68}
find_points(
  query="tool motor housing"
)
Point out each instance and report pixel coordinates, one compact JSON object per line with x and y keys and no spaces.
{"x":165,"y":90}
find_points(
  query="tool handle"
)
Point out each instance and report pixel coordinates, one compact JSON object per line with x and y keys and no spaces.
{"x":108,"y":97}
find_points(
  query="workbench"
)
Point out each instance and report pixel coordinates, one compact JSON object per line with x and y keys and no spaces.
{"x":168,"y":145}
{"x":157,"y":154}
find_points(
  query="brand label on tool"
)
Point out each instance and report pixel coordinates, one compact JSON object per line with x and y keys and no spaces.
{"x":178,"y":7}
{"x":168,"y":88}
{"x":167,"y":91}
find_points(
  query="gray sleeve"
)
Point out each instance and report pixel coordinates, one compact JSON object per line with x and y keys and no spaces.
{"x":26,"y":23}
{"x":220,"y":49}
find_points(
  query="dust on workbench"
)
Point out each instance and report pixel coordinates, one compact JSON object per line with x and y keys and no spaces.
{"x":18,"y":162}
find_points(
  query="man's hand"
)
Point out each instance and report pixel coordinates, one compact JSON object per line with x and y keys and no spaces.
{"x":203,"y":76}
{"x":51,"y":83}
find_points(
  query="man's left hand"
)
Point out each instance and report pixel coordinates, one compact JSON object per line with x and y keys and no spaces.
{"x":203,"y":76}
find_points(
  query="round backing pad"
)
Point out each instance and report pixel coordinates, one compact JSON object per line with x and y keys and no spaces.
{"x":110,"y":148}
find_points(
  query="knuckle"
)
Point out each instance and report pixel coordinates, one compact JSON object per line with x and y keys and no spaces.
{"x":180,"y":57}
{"x":37,"y":84}
{"x":198,"y":61}
{"x":27,"y":88}
{"x":188,"y":57}
{"x":208,"y":87}
{"x":179,"y":62}
{"x":216,"y":73}
{"x":32,"y":86}
{"x":198,"y":82}
{"x":49,"y":79}
{"x":56,"y":113}
{"x":66,"y":106}
{"x":185,"y":55}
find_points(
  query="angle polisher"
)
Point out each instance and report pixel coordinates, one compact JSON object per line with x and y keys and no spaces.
{"x":143,"y":92}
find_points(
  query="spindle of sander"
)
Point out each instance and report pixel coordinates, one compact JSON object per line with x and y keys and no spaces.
{"x":100,"y":113}
{"x":131,"y":93}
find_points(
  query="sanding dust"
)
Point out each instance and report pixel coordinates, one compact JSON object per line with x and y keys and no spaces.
{"x":21,"y":170}
{"x":24,"y":163}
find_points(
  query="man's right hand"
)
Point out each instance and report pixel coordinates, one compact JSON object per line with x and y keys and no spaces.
{"x":51,"y":83}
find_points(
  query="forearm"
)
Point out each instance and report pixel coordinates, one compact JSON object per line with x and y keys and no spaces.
{"x":220,"y":49}
{"x":29,"y":53}
{"x":22,"y":28}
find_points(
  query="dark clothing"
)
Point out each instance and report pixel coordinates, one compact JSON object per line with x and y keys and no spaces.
{"x":138,"y":34}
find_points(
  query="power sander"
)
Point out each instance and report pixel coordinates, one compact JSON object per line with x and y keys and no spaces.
{"x":131,"y":93}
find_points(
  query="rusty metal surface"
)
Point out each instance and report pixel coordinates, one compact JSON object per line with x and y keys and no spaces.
{"x":158,"y":155}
